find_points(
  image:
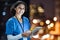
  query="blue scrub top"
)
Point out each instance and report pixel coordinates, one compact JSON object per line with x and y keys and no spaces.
{"x":13,"y":27}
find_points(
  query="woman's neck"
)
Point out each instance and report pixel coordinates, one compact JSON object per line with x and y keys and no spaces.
{"x":19,"y":18}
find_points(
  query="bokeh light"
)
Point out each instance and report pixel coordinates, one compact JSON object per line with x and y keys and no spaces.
{"x":52,"y":25}
{"x":40,"y":10}
{"x":47,"y":21}
{"x":36,"y":21}
{"x":55,"y":18}
{"x":41,"y":23}
{"x":3,"y":13}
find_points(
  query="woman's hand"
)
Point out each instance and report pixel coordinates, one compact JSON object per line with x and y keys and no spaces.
{"x":26,"y":34}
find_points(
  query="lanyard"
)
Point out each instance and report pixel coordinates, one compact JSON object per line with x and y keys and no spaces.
{"x":21,"y":25}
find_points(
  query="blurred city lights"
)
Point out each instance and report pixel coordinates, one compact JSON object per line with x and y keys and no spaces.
{"x":41,"y":23}
{"x":40,"y":10}
{"x":48,"y":26}
{"x":36,"y":21}
{"x":55,"y":18}
{"x":32,"y":11}
{"x":3,"y":13}
{"x":47,"y":21}
{"x":52,"y":25}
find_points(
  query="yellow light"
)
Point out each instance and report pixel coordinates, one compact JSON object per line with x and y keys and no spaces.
{"x":36,"y":21}
{"x":52,"y":24}
{"x":40,"y":9}
{"x":48,"y":26}
{"x":31,"y":29}
{"x":32,"y":11}
{"x":55,"y":18}
{"x":47,"y":21}
{"x":41,"y":23}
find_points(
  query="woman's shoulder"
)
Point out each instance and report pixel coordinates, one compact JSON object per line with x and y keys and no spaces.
{"x":25,"y":18}
{"x":10,"y":19}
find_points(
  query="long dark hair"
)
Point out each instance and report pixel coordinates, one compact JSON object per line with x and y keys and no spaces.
{"x":12,"y":9}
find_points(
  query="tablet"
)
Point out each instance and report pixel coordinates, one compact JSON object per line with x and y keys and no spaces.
{"x":36,"y":30}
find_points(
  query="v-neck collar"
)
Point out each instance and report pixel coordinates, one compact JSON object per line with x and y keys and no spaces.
{"x":21,"y":24}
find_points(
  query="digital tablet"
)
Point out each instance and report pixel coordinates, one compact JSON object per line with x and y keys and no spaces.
{"x":36,"y":30}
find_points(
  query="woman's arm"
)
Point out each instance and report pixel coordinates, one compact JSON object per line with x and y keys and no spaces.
{"x":11,"y":37}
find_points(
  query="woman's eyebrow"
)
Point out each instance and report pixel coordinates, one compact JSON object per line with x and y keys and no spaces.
{"x":21,"y":8}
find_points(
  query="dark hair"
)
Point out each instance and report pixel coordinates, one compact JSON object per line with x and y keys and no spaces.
{"x":12,"y":9}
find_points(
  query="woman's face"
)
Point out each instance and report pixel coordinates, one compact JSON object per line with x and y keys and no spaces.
{"x":20,"y":9}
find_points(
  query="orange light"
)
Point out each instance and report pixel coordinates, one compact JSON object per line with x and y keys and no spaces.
{"x":41,"y":23}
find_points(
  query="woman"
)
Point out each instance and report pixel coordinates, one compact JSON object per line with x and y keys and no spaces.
{"x":17,"y":26}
